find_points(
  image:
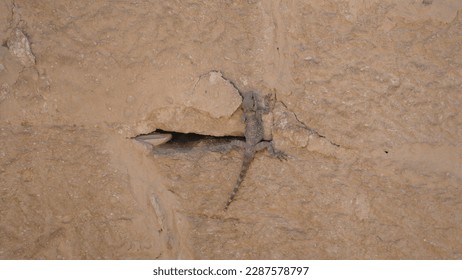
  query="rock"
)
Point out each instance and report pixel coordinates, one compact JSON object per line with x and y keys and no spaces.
{"x":154,"y":139}
{"x":5,"y":19}
{"x":215,"y":95}
{"x":9,"y":72}
{"x":19,"y":47}
{"x":212,"y":108}
{"x":287,"y":130}
{"x":289,"y":133}
{"x":267,"y":120}
{"x":190,"y":120}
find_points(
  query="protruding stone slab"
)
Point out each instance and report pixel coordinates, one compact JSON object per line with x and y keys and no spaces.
{"x":211,"y":108}
{"x":190,"y":120}
{"x":215,"y":95}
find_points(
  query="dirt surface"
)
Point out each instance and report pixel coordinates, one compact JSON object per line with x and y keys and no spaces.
{"x":368,"y":98}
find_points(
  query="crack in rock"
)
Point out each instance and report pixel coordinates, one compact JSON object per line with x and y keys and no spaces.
{"x":290,"y":132}
{"x":215,"y":95}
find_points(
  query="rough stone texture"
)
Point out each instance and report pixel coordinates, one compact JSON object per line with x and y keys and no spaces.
{"x":210,"y":109}
{"x":214,"y":95}
{"x":19,"y":46}
{"x":190,"y":120}
{"x":287,"y":130}
{"x":9,"y":72}
{"x":5,"y":19}
{"x":371,"y":124}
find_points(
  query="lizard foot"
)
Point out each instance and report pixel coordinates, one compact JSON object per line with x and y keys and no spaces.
{"x":280,"y":155}
{"x":277,"y":153}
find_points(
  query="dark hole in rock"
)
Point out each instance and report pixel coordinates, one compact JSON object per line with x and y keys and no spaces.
{"x":172,"y":140}
{"x":427,"y":2}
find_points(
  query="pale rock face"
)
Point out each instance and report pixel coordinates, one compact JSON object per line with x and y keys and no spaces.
{"x":212,"y":108}
{"x":291,"y":134}
{"x":190,"y":120}
{"x":9,"y":72}
{"x":367,"y":110}
{"x":19,"y":46}
{"x":215,"y":95}
{"x":287,"y":130}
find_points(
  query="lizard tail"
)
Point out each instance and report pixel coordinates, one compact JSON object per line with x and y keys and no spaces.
{"x":248,"y":157}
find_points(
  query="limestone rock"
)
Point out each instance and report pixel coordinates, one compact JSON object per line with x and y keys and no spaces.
{"x":215,"y":95}
{"x":211,"y":108}
{"x":190,"y":120}
{"x":289,"y":133}
{"x":19,"y":46}
{"x":5,"y":18}
{"x":9,"y":72}
{"x":287,"y":130}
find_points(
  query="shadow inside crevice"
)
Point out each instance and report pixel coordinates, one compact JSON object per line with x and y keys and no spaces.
{"x":170,"y":141}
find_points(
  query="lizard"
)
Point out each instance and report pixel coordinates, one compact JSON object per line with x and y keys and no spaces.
{"x":254,"y":134}
{"x":254,"y":137}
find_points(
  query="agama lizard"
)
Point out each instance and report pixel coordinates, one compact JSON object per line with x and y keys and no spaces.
{"x":254,"y":135}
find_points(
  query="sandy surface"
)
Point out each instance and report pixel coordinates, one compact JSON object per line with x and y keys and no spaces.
{"x":368,"y":110}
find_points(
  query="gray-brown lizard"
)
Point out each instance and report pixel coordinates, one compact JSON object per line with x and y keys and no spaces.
{"x":254,"y":135}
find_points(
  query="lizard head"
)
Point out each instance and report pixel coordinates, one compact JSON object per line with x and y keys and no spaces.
{"x":249,"y":100}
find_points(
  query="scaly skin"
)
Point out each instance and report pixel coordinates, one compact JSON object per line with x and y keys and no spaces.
{"x":254,"y":134}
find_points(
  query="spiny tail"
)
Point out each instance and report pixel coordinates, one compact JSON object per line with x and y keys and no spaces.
{"x":248,"y":157}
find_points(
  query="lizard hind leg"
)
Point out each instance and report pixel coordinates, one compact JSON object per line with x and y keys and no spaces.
{"x":277,"y":153}
{"x":271,"y":150}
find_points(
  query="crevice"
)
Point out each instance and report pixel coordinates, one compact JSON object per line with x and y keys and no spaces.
{"x":183,"y":140}
{"x":177,"y":140}
{"x":231,"y":82}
